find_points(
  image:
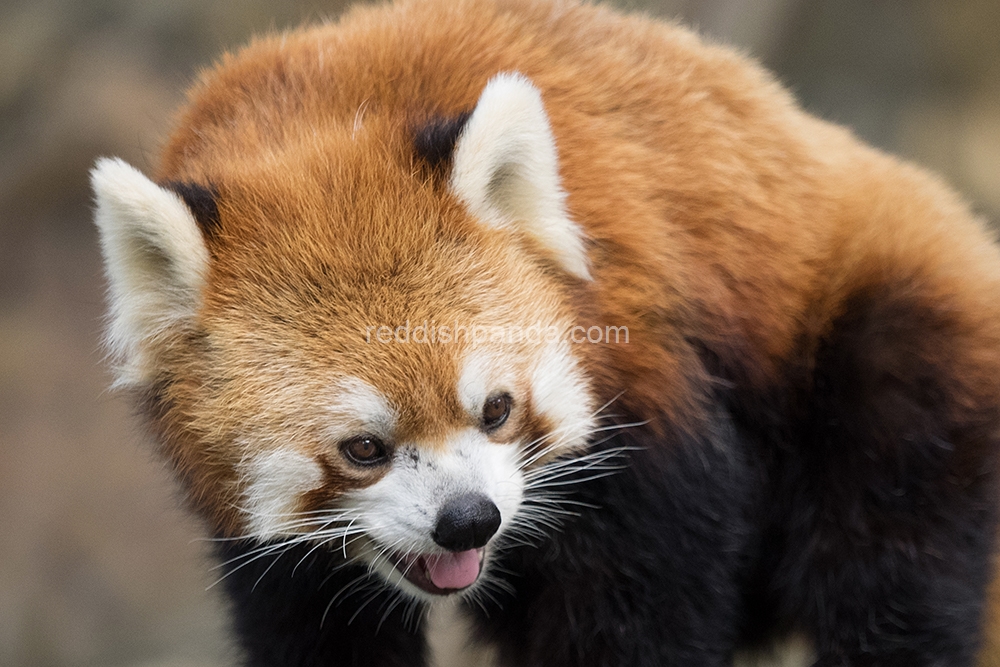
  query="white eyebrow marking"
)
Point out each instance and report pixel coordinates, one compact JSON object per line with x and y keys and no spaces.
{"x":480,"y":376}
{"x":358,"y":407}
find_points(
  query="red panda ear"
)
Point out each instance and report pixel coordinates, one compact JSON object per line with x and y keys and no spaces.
{"x":506,"y":170}
{"x":156,"y":262}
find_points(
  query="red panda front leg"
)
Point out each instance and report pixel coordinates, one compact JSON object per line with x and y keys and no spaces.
{"x":888,"y":486}
{"x":303,"y":607}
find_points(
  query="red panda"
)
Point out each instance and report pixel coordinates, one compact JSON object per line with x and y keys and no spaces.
{"x":571,"y":322}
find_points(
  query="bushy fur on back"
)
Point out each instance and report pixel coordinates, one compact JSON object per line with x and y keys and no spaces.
{"x":796,"y":437}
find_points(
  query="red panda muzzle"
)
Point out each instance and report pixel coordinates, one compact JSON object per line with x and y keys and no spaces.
{"x":464,"y":526}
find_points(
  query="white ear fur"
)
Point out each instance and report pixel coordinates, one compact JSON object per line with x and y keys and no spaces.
{"x":506,"y":171}
{"x":156,"y":262}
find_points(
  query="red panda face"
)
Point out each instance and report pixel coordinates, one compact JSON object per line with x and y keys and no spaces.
{"x":352,"y":352}
{"x":372,"y":413}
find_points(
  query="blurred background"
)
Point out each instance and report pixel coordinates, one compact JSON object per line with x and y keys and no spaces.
{"x":98,"y":566}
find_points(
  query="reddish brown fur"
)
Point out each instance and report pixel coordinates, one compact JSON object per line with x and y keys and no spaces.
{"x":305,"y":133}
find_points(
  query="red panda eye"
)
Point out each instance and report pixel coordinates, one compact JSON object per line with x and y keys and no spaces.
{"x":365,"y":450}
{"x":495,"y":411}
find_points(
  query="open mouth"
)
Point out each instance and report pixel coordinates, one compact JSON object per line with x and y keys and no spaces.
{"x":443,"y":573}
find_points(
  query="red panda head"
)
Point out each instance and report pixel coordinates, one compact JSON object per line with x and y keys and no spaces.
{"x":339,"y":343}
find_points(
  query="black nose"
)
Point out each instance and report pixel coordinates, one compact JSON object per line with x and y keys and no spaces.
{"x":466,"y":522}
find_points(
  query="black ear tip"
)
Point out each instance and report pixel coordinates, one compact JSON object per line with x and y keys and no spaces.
{"x":202,"y":201}
{"x":434,"y":141}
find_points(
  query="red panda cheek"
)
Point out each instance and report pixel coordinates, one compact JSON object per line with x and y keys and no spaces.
{"x":562,"y":397}
{"x":274,"y":483}
{"x":279,"y":486}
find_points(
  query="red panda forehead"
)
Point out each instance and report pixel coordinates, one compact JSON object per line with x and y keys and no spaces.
{"x":432,"y":355}
{"x":330,"y":193}
{"x":432,"y":393}
{"x":365,"y":243}
{"x":405,"y":336}
{"x":353,"y":300}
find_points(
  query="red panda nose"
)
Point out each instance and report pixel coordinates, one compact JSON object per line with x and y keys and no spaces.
{"x":466,"y":522}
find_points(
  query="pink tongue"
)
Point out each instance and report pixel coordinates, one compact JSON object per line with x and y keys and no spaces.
{"x":454,"y":570}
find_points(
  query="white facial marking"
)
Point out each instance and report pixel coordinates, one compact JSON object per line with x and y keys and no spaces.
{"x":506,"y":171}
{"x":482,"y":374}
{"x":358,"y":408}
{"x":156,"y":262}
{"x":560,"y":392}
{"x":274,"y":482}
